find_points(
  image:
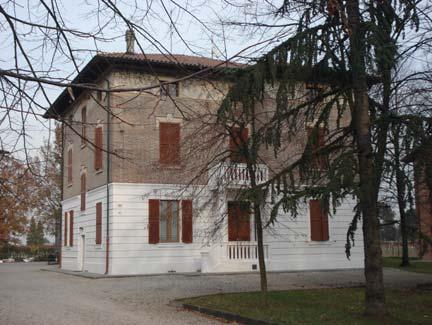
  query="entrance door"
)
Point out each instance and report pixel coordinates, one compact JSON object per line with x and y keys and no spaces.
{"x":81,"y":253}
{"x":238,"y":221}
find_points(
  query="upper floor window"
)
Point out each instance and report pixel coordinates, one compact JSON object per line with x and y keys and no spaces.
{"x":98,"y":151}
{"x":318,"y":221}
{"x":99,"y":96}
{"x":83,"y":126}
{"x":313,"y":90}
{"x":69,"y":165}
{"x":317,"y":141}
{"x":169,"y":90}
{"x":169,"y":143}
{"x":238,"y":144}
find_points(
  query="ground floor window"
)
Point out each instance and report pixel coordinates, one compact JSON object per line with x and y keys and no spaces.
{"x":168,"y":221}
{"x":239,"y":221}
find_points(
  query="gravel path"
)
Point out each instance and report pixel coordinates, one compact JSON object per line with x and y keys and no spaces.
{"x":31,"y":296}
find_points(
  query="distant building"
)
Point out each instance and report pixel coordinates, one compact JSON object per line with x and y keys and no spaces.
{"x":422,"y":159}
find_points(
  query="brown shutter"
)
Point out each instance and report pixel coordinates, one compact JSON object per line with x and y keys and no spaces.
{"x":153,"y":221}
{"x":69,"y":166}
{"x":187,"y":230}
{"x":83,"y":125}
{"x":98,"y":223}
{"x":318,"y":221}
{"x":83,"y":191}
{"x":237,"y":141}
{"x":65,"y":228}
{"x":232,"y":224}
{"x":98,"y":153}
{"x":71,"y":227}
{"x":169,"y":143}
{"x":244,"y":221}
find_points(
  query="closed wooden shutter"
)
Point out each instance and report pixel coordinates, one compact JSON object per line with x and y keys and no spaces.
{"x":237,"y":143}
{"x":238,"y":221}
{"x":71,"y":227}
{"x":65,"y":228}
{"x":244,"y":221}
{"x":83,"y":125}
{"x":83,"y":191}
{"x":187,"y":230}
{"x":98,"y":154}
{"x":69,"y":166}
{"x":318,"y":221}
{"x":319,"y":160}
{"x":169,"y":143}
{"x":153,"y":221}
{"x":98,"y":223}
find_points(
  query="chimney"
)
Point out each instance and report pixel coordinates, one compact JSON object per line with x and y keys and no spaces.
{"x":130,"y":41}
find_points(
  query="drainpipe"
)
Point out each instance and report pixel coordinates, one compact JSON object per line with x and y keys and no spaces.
{"x":108,"y":109}
{"x":60,"y":229}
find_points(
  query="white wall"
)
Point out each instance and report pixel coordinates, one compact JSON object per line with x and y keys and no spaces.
{"x":95,"y":254}
{"x":289,"y":242}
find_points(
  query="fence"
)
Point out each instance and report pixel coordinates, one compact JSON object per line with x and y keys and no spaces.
{"x":394,"y":248}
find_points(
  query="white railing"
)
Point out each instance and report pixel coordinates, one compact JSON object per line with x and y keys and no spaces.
{"x":244,"y":252}
{"x":235,"y":175}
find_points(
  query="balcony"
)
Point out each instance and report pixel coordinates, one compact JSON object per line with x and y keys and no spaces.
{"x":234,"y":175}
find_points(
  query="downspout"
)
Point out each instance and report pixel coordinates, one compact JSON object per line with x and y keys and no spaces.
{"x":108,"y":109}
{"x":60,"y":229}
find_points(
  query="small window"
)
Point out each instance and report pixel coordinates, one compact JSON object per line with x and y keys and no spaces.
{"x":169,"y":221}
{"x":83,"y":126}
{"x":169,"y":89}
{"x":314,"y":90}
{"x":69,"y":166}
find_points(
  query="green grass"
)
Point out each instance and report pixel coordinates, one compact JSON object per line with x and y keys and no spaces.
{"x":322,"y":306}
{"x":415,"y":265}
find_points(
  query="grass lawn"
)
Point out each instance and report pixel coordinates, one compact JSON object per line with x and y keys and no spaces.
{"x":415,"y":265}
{"x":322,"y":306}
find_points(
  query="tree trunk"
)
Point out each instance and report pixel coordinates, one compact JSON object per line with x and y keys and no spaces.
{"x":374,"y":295}
{"x":400,"y":187}
{"x":261,"y":261}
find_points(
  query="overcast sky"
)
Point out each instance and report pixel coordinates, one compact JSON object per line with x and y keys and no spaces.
{"x":197,"y":32}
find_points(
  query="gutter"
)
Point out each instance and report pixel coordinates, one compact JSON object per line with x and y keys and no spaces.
{"x":108,"y":109}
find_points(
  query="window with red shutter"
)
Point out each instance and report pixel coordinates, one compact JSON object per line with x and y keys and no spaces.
{"x":237,"y":144}
{"x":169,"y":143}
{"x":98,"y":152}
{"x":153,"y":221}
{"x":65,"y":229}
{"x":238,"y":221}
{"x":69,"y":166}
{"x":83,"y":126}
{"x":317,"y":143}
{"x":187,"y":229}
{"x":318,"y":221}
{"x":83,"y":191}
{"x":71,"y":227}
{"x":99,"y":223}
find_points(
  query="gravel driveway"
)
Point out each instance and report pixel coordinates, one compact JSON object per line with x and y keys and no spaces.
{"x":31,"y":296}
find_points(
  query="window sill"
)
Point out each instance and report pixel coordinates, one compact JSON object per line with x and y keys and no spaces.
{"x":170,"y":245}
{"x":167,"y":166}
{"x":83,"y":146}
{"x":321,"y":242}
{"x":99,"y":171}
{"x":69,"y":184}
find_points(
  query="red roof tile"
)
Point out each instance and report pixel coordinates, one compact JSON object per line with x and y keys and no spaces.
{"x":187,"y":60}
